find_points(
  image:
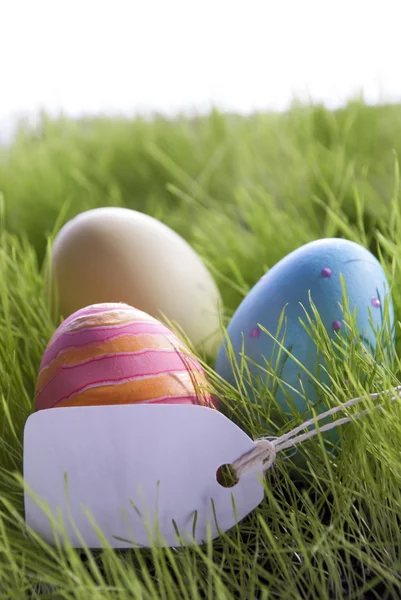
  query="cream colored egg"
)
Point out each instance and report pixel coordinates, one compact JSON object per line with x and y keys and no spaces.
{"x":121,"y":255}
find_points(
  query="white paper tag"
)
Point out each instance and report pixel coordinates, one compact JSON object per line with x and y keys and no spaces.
{"x":161,"y":459}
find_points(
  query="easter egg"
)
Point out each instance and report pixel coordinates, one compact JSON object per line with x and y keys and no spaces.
{"x":314,"y":269}
{"x":121,"y":255}
{"x":108,"y":354}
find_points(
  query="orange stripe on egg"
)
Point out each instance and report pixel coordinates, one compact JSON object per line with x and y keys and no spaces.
{"x":119,"y":344}
{"x":142,"y":390}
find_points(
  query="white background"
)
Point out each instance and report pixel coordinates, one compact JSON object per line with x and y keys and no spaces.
{"x":86,"y":56}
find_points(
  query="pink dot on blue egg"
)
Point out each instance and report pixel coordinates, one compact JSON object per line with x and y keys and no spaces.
{"x":336,"y":325}
{"x":375,"y":302}
{"x":326,"y":272}
{"x":255,"y":332}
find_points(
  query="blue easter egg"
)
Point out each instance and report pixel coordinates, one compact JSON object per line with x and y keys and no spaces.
{"x":313,"y":269}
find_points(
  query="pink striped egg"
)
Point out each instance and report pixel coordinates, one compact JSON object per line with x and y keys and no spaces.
{"x":116,"y":354}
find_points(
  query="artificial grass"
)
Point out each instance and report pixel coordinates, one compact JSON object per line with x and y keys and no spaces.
{"x":244,"y":192}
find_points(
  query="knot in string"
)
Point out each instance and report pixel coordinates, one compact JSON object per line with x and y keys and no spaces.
{"x":263,"y":454}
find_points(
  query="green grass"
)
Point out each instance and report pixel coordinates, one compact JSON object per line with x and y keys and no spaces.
{"x":244,"y":192}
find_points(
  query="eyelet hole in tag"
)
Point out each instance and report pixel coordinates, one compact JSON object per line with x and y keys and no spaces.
{"x":226,"y":476}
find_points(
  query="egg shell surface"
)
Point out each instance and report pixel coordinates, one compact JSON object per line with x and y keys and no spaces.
{"x":109,"y":354}
{"x":315,"y":267}
{"x":121,"y":255}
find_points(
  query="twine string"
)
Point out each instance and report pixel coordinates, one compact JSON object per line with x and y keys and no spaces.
{"x":265,"y":451}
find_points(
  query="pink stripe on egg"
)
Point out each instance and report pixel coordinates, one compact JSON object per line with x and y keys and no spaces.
{"x":192,"y":399}
{"x":118,"y":355}
{"x":100,"y":334}
{"x":72,"y":379}
{"x":169,"y":400}
{"x":170,"y":337}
